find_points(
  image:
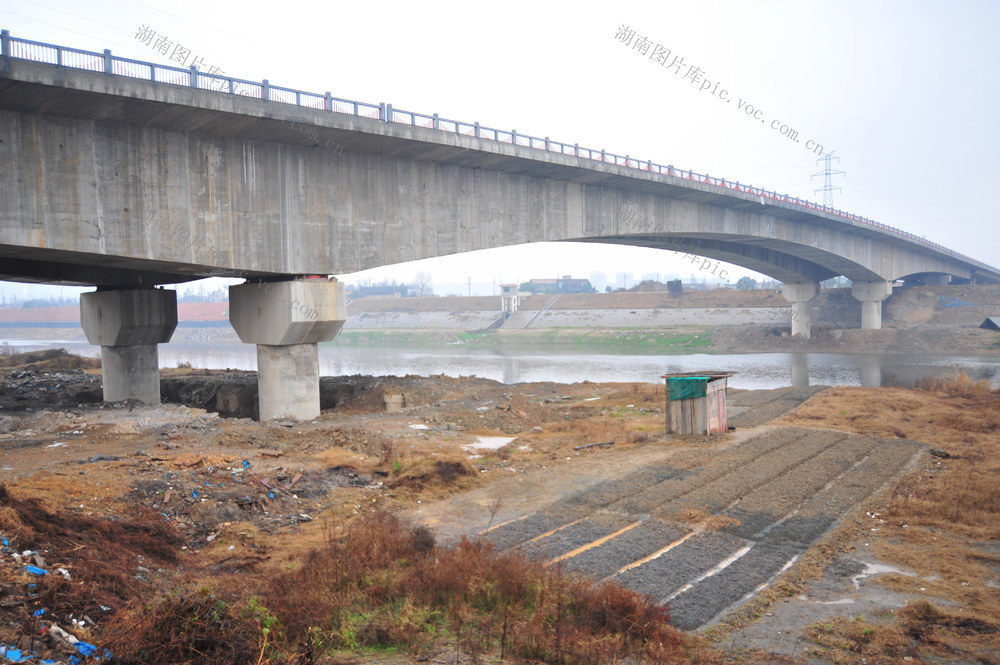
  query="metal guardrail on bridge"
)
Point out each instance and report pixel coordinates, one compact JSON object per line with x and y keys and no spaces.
{"x":11,"y":47}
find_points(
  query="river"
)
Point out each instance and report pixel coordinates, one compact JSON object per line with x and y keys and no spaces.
{"x":751,"y":370}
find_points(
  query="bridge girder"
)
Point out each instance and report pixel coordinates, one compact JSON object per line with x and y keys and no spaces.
{"x":182,"y":183}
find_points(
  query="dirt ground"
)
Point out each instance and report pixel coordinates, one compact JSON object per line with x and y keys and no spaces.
{"x":808,"y":534}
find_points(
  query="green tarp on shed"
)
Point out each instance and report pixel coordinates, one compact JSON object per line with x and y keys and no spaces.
{"x":687,"y":387}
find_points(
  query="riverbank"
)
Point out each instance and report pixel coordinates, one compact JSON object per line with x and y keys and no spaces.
{"x":943,"y":320}
{"x":172,"y":517}
{"x":691,"y":339}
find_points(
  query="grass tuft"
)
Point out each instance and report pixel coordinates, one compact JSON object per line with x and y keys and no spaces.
{"x":385,"y":585}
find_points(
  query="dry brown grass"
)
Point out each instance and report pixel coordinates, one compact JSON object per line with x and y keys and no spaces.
{"x":435,"y":474}
{"x":641,"y":394}
{"x":917,"y":630}
{"x":100,"y":554}
{"x":340,"y":457}
{"x":385,"y":585}
{"x":47,"y":360}
{"x":941,"y":521}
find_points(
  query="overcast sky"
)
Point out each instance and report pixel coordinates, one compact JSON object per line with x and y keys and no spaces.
{"x":904,"y":92}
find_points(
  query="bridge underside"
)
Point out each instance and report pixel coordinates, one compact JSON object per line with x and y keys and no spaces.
{"x":781,"y":260}
{"x":126,"y":184}
{"x":48,"y":266}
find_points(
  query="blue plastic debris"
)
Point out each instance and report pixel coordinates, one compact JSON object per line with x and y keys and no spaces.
{"x":954,"y":302}
{"x":246,"y":464}
{"x":35,"y":570}
{"x":39,"y":613}
{"x":270,"y":495}
{"x":194,"y":493}
{"x":14,"y":655}
{"x":85,"y":649}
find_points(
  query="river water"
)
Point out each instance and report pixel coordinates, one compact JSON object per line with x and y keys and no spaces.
{"x":752,"y":370}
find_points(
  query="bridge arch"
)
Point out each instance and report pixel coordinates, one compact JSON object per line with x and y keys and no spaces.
{"x":181,"y":182}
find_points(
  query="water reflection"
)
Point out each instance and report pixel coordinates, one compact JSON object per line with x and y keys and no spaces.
{"x":871,"y":370}
{"x":800,"y":369}
{"x":752,"y":371}
{"x":511,"y":369}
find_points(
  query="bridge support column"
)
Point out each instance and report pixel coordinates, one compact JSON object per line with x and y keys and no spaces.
{"x":286,"y":320}
{"x":871,"y":295}
{"x":128,"y":324}
{"x":799,"y":295}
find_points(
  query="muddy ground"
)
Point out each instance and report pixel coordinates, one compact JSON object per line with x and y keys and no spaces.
{"x":751,"y":537}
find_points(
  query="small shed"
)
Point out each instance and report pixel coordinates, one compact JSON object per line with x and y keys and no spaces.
{"x":991,"y":323}
{"x":696,"y":403}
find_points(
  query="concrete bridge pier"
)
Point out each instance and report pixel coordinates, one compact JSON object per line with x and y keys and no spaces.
{"x":128,"y":324}
{"x":286,"y":320}
{"x":871,"y":295}
{"x":800,"y":295}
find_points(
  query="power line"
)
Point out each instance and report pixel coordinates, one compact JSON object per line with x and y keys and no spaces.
{"x":184,"y":19}
{"x":828,"y":172}
{"x":103,"y":40}
{"x":77,"y":16}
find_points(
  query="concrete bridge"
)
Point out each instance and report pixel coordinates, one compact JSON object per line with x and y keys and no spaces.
{"x":126,"y":175}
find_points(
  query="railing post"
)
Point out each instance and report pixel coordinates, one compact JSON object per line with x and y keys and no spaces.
{"x":437,"y":122}
{"x":107,"y":61}
{"x":5,"y":43}
{"x":381,"y":111}
{"x":194,"y":76}
{"x":265,"y":90}
{"x":546,"y":144}
{"x":576,"y":149}
{"x":232,"y":87}
{"x":602,"y":154}
{"x":298,"y":98}
{"x":513,"y":137}
{"x":388,"y":113}
{"x":328,"y":101}
{"x":477,"y":129}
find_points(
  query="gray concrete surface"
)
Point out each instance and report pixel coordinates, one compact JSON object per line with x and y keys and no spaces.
{"x":781,"y":489}
{"x":128,"y":324}
{"x":187,"y":187}
{"x":286,"y":320}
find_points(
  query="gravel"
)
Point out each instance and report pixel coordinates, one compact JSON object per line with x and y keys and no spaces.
{"x":782,"y":490}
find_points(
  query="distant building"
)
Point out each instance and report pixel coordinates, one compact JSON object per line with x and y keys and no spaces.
{"x":510,"y":298}
{"x":624,"y":280}
{"x":599,"y":280}
{"x":558,"y":285}
{"x":383,"y":291}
